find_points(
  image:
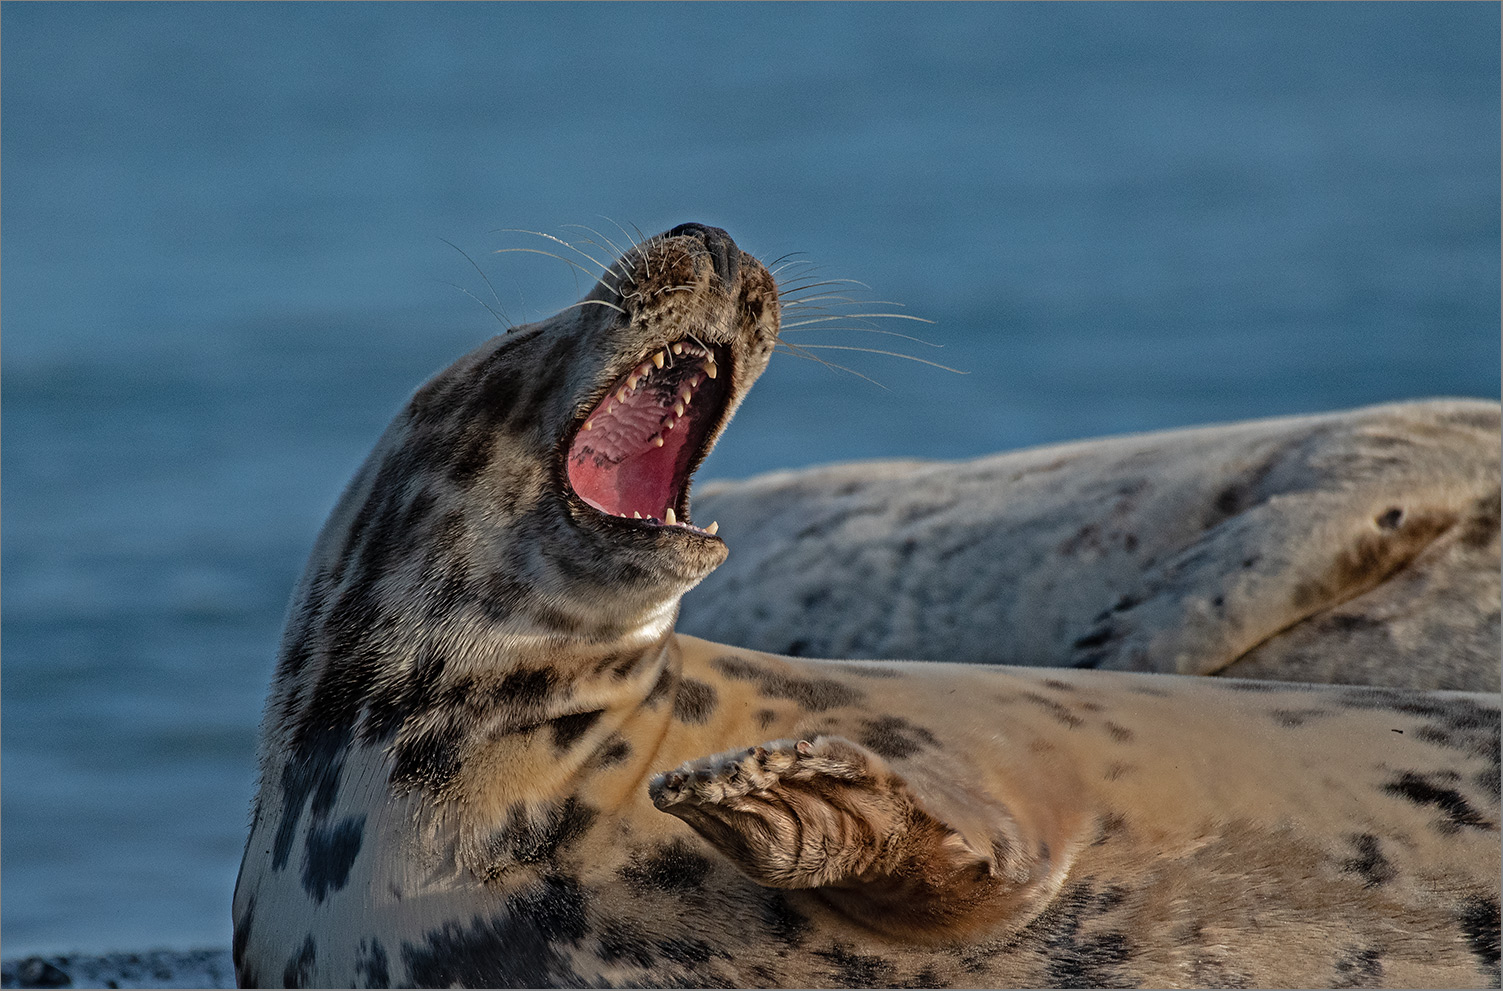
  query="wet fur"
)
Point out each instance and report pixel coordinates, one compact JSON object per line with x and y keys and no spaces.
{"x":479,"y":699}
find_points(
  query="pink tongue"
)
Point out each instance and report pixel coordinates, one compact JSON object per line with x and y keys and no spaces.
{"x":615,"y":467}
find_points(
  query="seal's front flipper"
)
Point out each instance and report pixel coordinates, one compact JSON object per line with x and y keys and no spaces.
{"x":831,"y":815}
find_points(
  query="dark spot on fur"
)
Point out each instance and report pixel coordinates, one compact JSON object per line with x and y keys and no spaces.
{"x":312,"y":771}
{"x":430,"y":761}
{"x":1117,"y":769}
{"x":673,"y":867}
{"x":694,"y":702}
{"x":813,"y":694}
{"x":1390,"y":520}
{"x":528,"y":687}
{"x":1358,"y":967}
{"x":870,"y":671}
{"x":895,"y":737}
{"x":854,"y":970}
{"x":1076,"y":960}
{"x":686,"y":951}
{"x":1111,"y":896}
{"x":1418,"y":790}
{"x":1119,"y":733}
{"x":1479,"y":921}
{"x":1369,"y":863}
{"x":1059,"y":686}
{"x":765,"y":718}
{"x":532,"y":835}
{"x":1245,"y":685}
{"x":568,"y":729}
{"x":661,"y":688}
{"x":785,"y":924}
{"x":1110,"y":825}
{"x":615,"y":750}
{"x":1059,"y":713}
{"x":1370,"y":559}
{"x":241,"y":941}
{"x":1291,"y":718}
{"x":1352,"y":622}
{"x":329,"y":854}
{"x":517,"y":947}
{"x":1455,"y":723}
{"x":622,"y":942}
{"x":1481,"y":527}
{"x":738,"y":668}
{"x":299,"y":970}
{"x":371,"y":964}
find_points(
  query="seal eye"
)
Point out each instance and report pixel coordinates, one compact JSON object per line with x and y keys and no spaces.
{"x":633,"y":454}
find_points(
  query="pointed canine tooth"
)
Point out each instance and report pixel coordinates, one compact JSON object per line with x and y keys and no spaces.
{"x":631,"y":383}
{"x":657,"y":359}
{"x":710,"y":369}
{"x":685,"y":393}
{"x":713,"y":528}
{"x":657,"y":440}
{"x":696,"y":380}
{"x":636,"y":515}
{"x":668,"y":516}
{"x":678,"y":408}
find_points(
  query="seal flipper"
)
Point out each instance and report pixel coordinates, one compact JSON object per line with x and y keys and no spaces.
{"x":830,"y":815}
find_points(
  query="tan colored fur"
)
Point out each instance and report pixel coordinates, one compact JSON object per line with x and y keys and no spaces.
{"x":479,"y":688}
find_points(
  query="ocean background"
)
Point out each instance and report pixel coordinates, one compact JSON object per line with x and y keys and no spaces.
{"x":225,"y":267}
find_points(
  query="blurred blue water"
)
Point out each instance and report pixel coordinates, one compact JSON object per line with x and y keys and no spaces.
{"x":224,"y":272}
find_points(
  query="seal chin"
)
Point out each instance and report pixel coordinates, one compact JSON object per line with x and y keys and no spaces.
{"x":631,"y":458}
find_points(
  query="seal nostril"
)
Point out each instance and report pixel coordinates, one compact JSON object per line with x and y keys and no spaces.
{"x":724,"y":253}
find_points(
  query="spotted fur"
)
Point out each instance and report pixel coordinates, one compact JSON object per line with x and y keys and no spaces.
{"x":1356,"y":547}
{"x":488,"y":761}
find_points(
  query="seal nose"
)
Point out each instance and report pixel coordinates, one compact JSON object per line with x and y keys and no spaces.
{"x":723,"y":251}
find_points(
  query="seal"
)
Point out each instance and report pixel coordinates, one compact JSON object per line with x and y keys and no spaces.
{"x":488,"y":761}
{"x":1356,"y":547}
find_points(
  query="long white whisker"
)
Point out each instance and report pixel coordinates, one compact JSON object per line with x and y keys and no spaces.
{"x":567,"y":261}
{"x":634,"y":242}
{"x":478,"y":269}
{"x":799,"y":352}
{"x":609,"y":245}
{"x":595,"y":302}
{"x":894,"y":354}
{"x":795,"y":328}
{"x":499,"y":319}
{"x":557,"y":240}
{"x":854,"y":316}
{"x":784,"y":290}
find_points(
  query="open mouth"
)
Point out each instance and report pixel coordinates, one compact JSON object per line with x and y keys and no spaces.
{"x":633,"y":455}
